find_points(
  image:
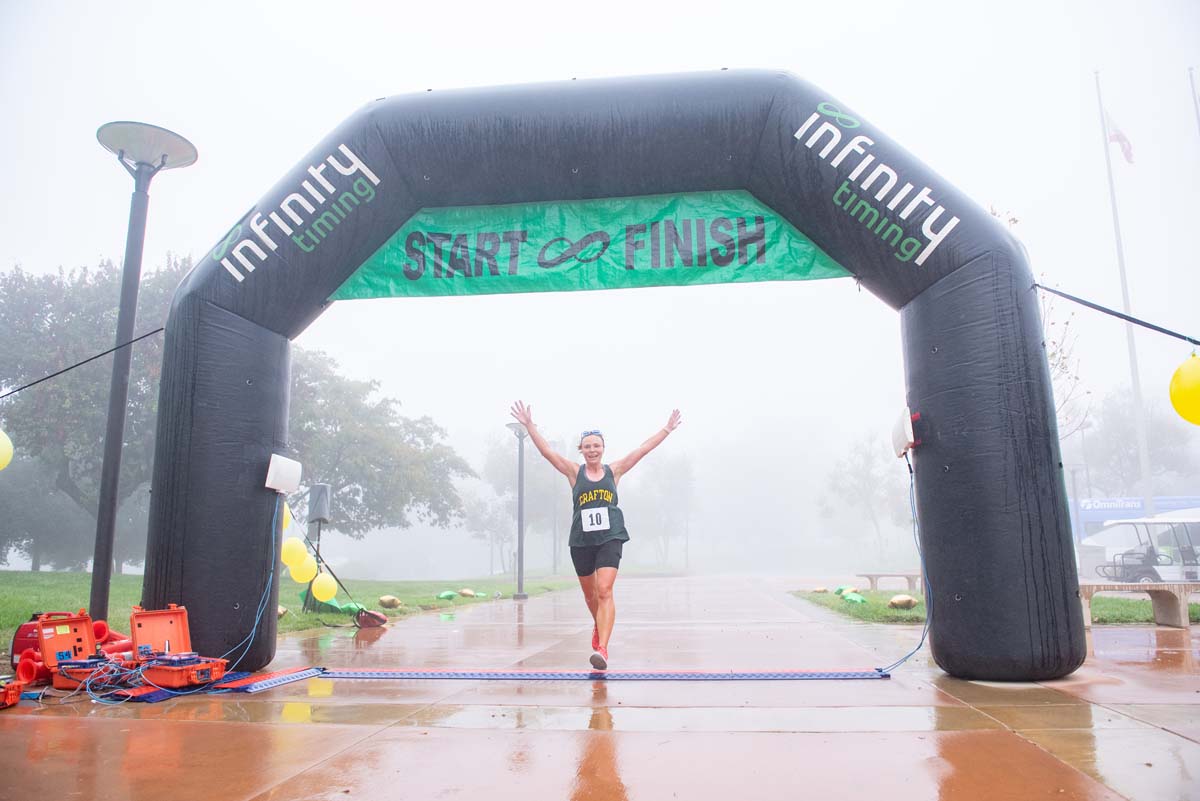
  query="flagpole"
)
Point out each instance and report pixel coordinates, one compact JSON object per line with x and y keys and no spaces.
{"x":1139,"y":409}
{"x":1195,"y":98}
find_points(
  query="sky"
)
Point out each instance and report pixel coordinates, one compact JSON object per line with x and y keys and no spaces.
{"x":775,"y":381}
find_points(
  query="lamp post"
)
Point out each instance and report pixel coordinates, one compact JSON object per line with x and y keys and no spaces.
{"x":1076,"y":503}
{"x":554,"y":544}
{"x":143,"y":150}
{"x":687,"y":544}
{"x":1135,"y":378}
{"x":520,"y":433}
{"x":1087,"y":473}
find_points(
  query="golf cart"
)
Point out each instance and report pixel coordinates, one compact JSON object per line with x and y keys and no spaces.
{"x":1149,"y":549}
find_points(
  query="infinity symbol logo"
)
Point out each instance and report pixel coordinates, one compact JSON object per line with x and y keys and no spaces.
{"x":842,"y":119}
{"x":230,"y":240}
{"x":573,"y":250}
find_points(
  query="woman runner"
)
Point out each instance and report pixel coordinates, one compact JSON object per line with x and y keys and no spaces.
{"x":598,"y":525}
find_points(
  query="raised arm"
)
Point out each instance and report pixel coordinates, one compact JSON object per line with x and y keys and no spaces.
{"x":524,"y":416}
{"x":623,"y":466}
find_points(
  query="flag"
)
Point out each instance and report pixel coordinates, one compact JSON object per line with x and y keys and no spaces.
{"x":1115,"y":134}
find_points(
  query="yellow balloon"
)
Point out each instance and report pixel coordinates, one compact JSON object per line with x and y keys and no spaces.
{"x":6,"y":450}
{"x":1185,"y":390}
{"x":287,"y":516}
{"x":324,"y":587}
{"x":304,"y":572}
{"x":293,"y":551}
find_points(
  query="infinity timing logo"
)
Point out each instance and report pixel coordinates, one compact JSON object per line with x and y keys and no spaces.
{"x":299,"y":210}
{"x":828,"y":135}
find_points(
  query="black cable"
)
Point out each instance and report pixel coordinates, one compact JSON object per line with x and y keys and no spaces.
{"x":266,"y":595}
{"x":325,"y":564}
{"x":80,"y":364}
{"x":912,"y":502}
{"x":1120,"y":315}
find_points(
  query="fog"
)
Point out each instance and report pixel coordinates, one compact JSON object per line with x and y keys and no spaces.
{"x":778,"y":382}
{"x":771,"y":385}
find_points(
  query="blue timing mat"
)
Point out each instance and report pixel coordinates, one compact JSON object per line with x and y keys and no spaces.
{"x":237,"y":682}
{"x":276,"y":681}
{"x":610,"y":675}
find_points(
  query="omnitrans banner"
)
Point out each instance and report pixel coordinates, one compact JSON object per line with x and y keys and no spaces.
{"x":610,"y":243}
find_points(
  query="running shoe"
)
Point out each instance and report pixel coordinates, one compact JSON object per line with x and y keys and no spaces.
{"x":599,"y":658}
{"x":595,"y":639}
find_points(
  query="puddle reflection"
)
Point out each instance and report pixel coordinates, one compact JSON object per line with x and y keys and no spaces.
{"x":971,"y":764}
{"x":1172,"y":651}
{"x":1159,"y":648}
{"x":365,"y":638}
{"x":313,"y":648}
{"x":520,"y":624}
{"x":597,"y":777}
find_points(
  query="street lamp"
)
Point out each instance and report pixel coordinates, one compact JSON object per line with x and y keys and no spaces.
{"x":143,"y":150}
{"x":687,"y":543}
{"x":520,"y":433}
{"x":1076,"y":503}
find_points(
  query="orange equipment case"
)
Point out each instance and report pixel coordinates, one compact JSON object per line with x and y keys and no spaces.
{"x":160,"y":633}
{"x":10,"y":694}
{"x":63,"y":637}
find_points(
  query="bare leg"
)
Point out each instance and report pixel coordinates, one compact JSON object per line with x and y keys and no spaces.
{"x":588,"y":585}
{"x":605,"y":608}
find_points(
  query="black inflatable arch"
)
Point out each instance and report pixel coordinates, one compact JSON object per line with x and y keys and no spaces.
{"x":990,"y":493}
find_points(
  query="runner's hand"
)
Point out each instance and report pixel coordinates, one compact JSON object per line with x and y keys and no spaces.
{"x":523,"y":414}
{"x":674,"y":422}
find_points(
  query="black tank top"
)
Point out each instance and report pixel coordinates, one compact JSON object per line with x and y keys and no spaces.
{"x":597,"y":518}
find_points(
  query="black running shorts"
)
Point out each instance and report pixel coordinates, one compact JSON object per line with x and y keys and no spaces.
{"x":588,"y":558}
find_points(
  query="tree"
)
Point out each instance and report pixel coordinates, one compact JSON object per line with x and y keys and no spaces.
{"x":383,"y":469}
{"x":51,"y":322}
{"x":129,"y":538}
{"x":1072,"y":403}
{"x":490,"y":516}
{"x":546,"y":491}
{"x":547,"y":496}
{"x":1111,"y":449}
{"x":50,"y":530}
{"x":868,"y":484}
{"x":660,"y":501}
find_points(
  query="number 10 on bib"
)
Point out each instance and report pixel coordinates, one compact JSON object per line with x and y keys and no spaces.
{"x":595,"y":519}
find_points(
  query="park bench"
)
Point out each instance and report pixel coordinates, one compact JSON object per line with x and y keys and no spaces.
{"x":913,"y":579}
{"x":1169,"y":599}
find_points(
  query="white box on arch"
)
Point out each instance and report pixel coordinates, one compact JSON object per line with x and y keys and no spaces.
{"x":903,"y":438}
{"x":283,"y":474}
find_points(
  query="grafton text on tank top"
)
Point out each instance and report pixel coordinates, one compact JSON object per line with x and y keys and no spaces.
{"x":596,"y":517}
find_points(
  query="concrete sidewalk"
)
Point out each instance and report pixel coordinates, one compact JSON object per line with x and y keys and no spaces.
{"x":1126,"y":725}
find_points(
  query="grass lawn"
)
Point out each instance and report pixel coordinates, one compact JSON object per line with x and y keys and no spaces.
{"x":22,"y":593}
{"x":875,"y":610}
{"x":1105,"y":609}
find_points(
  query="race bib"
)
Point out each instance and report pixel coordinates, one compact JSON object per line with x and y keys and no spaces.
{"x":595,"y":519}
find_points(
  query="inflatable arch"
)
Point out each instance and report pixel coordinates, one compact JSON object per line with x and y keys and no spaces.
{"x":728,"y":176}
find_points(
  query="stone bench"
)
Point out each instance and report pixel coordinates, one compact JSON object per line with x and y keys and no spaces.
{"x":913,"y":579}
{"x":1169,"y":599}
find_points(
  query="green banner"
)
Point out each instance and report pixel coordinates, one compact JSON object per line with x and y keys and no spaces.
{"x":610,"y":243}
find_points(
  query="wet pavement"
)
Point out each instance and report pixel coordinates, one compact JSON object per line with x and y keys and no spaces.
{"x":1125,"y":726}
